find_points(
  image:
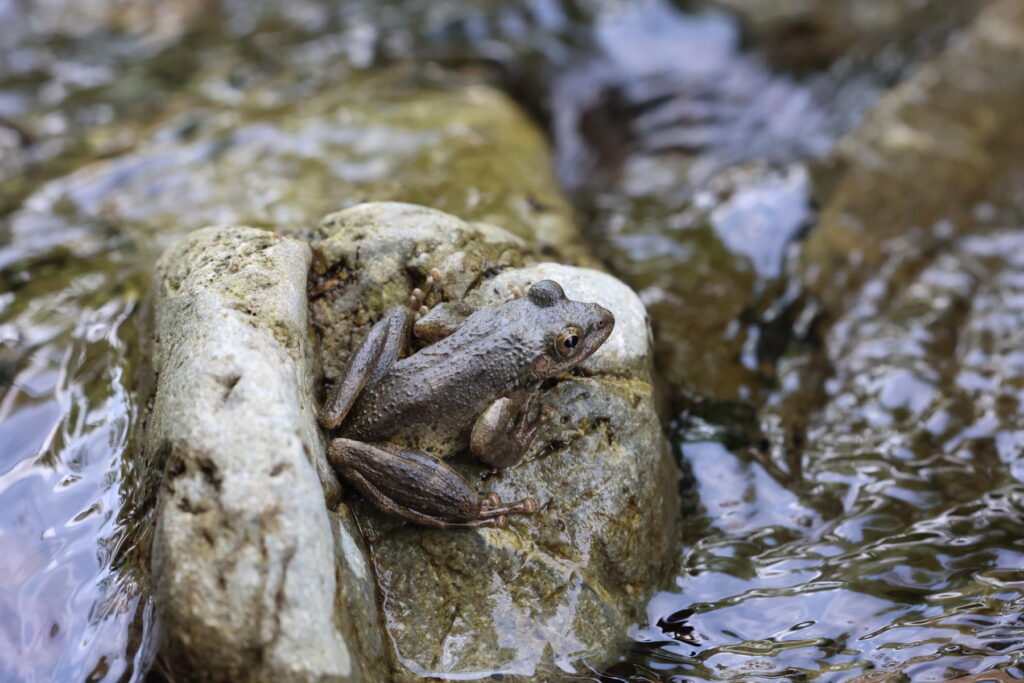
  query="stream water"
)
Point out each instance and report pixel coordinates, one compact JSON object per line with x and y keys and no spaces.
{"x":819,"y":202}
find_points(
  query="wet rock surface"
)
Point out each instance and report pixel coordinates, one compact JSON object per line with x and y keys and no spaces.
{"x":939,"y":156}
{"x":243,"y":559}
{"x":554,"y":590}
{"x":256,"y":577}
{"x":382,"y":136}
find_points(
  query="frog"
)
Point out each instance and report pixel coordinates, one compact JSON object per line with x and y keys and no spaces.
{"x":475,"y":383}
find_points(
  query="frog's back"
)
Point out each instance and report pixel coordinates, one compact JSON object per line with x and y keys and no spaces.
{"x":434,"y":395}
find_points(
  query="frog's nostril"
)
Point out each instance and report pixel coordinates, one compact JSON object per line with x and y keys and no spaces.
{"x":600,"y":324}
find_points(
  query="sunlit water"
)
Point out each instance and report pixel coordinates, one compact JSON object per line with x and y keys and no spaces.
{"x":867,"y":523}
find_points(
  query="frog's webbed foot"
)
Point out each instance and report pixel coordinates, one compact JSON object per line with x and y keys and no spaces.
{"x":439,"y":321}
{"x":504,"y":431}
{"x":417,"y":487}
{"x":491,"y":507}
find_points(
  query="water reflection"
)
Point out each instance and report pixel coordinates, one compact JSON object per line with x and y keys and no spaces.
{"x":65,"y":421}
{"x":896,"y":545}
{"x":780,"y":594}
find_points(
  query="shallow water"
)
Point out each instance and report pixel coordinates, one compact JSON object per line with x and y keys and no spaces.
{"x":852,"y":448}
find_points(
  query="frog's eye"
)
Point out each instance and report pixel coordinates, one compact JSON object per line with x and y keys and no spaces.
{"x":567,"y":341}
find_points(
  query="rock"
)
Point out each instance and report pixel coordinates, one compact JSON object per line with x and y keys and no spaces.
{"x":383,"y":136}
{"x":553,"y":590}
{"x":940,"y":155}
{"x":250,"y":580}
{"x":814,"y":35}
{"x":254,"y":576}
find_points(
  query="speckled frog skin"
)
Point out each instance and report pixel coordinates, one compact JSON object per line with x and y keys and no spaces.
{"x":475,"y":383}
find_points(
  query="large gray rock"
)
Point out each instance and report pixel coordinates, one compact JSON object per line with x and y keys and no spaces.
{"x":535,"y":599}
{"x":243,"y":562}
{"x":256,"y":578}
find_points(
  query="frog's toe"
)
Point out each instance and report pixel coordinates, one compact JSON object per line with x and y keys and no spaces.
{"x":419,"y":295}
{"x":492,"y":508}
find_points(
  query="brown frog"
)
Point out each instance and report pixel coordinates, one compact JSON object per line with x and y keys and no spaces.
{"x":475,"y":383}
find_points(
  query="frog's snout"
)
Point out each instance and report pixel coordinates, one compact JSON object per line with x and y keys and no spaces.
{"x":604,"y":319}
{"x":601,"y":328}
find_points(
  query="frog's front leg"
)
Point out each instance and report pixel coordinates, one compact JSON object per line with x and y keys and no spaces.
{"x":504,"y":431}
{"x":418,"y":487}
{"x":386,"y":342}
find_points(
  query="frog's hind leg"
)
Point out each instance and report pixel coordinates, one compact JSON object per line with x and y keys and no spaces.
{"x":417,"y":487}
{"x":386,"y":342}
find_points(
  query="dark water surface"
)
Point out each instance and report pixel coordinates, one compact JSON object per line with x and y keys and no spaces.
{"x":821,"y":204}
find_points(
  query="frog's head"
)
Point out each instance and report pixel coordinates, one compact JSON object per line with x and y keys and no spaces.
{"x":572,"y":330}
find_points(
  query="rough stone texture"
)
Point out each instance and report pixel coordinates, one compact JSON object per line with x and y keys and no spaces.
{"x":531,"y":601}
{"x":243,"y":561}
{"x":389,"y":248}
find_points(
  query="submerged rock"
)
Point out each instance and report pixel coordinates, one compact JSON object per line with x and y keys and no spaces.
{"x":284,"y":162}
{"x":811,"y":35}
{"x":551,"y":590}
{"x":701,"y":259}
{"x":940,"y":155}
{"x":690,"y":158}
